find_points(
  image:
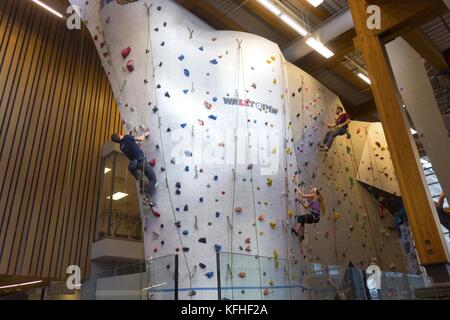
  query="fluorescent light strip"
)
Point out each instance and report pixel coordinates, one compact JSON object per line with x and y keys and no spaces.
{"x":43,"y":5}
{"x":315,"y":3}
{"x":365,"y":78}
{"x":269,"y":6}
{"x":294,"y":25}
{"x":118,"y":195}
{"x":20,"y":284}
{"x":107,"y":170}
{"x":284,"y":17}
{"x":319,"y":47}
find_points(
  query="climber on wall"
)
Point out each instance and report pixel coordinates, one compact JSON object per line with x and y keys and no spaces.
{"x":138,"y":164}
{"x":314,"y":204}
{"x":340,"y":128}
{"x":444,"y":217}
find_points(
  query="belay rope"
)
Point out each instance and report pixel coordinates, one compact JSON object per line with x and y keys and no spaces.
{"x":150,"y":62}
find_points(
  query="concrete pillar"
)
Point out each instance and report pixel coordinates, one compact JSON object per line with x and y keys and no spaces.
{"x":418,"y":96}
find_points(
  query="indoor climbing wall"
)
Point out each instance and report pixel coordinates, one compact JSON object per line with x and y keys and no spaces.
{"x":354,"y":228}
{"x":231,"y":123}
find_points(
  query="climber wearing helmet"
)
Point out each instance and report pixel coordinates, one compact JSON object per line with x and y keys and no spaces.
{"x":339,"y":128}
{"x":138,"y":164}
{"x":314,"y":205}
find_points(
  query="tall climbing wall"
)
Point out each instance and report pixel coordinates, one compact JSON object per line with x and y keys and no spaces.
{"x":230,"y":124}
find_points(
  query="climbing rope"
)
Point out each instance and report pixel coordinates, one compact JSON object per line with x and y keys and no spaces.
{"x":150,"y":62}
{"x":242,"y":64}
{"x":356,"y":171}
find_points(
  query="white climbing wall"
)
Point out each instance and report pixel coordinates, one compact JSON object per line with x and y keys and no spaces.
{"x":186,"y":83}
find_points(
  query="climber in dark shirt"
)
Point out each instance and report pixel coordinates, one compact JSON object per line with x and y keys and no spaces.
{"x":138,"y":163}
{"x":340,"y":128}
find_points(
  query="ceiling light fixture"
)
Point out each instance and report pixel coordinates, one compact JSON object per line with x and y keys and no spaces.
{"x":20,"y":284}
{"x":118,"y":195}
{"x":284,"y":17}
{"x":315,"y":3}
{"x":319,"y":47}
{"x":272,"y":8}
{"x":365,"y":78}
{"x":294,"y":25}
{"x":46,"y":7}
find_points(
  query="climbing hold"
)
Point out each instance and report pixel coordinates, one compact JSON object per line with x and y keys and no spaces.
{"x":201,"y":265}
{"x":217,"y":214}
{"x":208,"y":105}
{"x":273,"y":224}
{"x":178,"y":224}
{"x":217,"y":247}
{"x":238,"y":209}
{"x":185,"y":249}
{"x":261,"y":217}
{"x":186,"y":208}
{"x":212,"y":117}
{"x":153,"y":163}
{"x":202,"y":240}
{"x":242,"y":275}
{"x":183,"y":125}
{"x":187,"y":73}
{"x":214,"y":61}
{"x":125,"y":52}
{"x":269,"y":182}
{"x":209,"y":275}
{"x":185,"y":232}
{"x":130,"y":65}
{"x":178,"y":185}
{"x":250,"y":167}
{"x":266,"y":292}
{"x":181,"y":58}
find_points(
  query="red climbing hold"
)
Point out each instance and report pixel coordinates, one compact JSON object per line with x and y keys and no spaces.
{"x":126,"y":52}
{"x":156,"y":213}
{"x":153,"y":163}
{"x":130,"y":65}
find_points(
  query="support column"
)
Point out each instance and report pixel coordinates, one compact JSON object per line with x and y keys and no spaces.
{"x":418,"y":96}
{"x":421,"y":211}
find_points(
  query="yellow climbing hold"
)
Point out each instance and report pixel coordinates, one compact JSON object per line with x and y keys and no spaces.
{"x":269,"y":182}
{"x":274,"y":150}
{"x":271,"y":283}
{"x":275,"y":256}
{"x":273,"y":224}
{"x":336,"y":216}
{"x":291,"y":213}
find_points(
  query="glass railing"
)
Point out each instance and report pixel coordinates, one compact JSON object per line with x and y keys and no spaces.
{"x":146,"y":280}
{"x":246,"y":277}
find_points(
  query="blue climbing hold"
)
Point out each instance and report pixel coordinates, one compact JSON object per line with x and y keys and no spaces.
{"x":214,"y":61}
{"x":187,"y":73}
{"x":181,"y":58}
{"x":186,"y":169}
{"x":217,"y":214}
{"x":216,"y":178}
{"x":183,"y":125}
{"x":201,"y":199}
{"x":215,"y":99}
{"x":201,"y":49}
{"x":213,"y":117}
{"x":210,"y":275}
{"x":188,"y":154}
{"x":185,"y":91}
{"x":167,"y":95}
{"x":185,"y":232}
{"x":217,"y":247}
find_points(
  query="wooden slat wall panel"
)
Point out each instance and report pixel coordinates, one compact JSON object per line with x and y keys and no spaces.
{"x":56,"y":111}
